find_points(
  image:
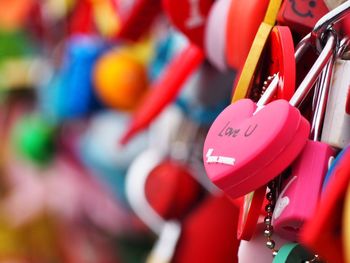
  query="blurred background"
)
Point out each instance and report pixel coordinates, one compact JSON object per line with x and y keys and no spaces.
{"x":104,"y":108}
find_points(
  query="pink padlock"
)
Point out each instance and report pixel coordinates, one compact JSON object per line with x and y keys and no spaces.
{"x":300,"y":195}
{"x":248,"y":145}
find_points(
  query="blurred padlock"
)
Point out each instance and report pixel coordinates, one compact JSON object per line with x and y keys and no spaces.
{"x":208,"y":233}
{"x":323,"y":233}
{"x":33,"y":137}
{"x":307,"y":173}
{"x":120,"y":80}
{"x":13,"y":14}
{"x":70,"y":93}
{"x":336,"y":129}
{"x":135,"y":17}
{"x":81,"y":19}
{"x":171,"y":189}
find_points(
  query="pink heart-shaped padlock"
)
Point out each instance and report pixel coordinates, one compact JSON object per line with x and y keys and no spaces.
{"x":246,"y":147}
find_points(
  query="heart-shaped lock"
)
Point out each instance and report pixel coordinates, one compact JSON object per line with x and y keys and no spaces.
{"x":189,"y":16}
{"x":254,"y":145}
{"x":247,"y":146}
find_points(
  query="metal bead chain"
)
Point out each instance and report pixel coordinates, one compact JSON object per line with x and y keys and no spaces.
{"x":257,"y":92}
{"x":267,"y":83}
{"x":271,"y":198}
{"x":316,"y":259}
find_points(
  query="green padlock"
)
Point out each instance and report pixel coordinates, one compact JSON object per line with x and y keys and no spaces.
{"x":33,"y":139}
{"x":292,"y":253}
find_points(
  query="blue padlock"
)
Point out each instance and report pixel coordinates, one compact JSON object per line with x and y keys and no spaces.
{"x":70,"y":93}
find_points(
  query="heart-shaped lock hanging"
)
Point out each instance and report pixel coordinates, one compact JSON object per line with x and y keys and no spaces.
{"x":248,"y":146}
{"x":254,"y":146}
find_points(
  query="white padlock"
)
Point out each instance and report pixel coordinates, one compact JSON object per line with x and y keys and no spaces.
{"x":336,"y":127}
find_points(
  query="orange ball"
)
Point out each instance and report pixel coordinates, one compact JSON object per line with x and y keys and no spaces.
{"x":120,"y":80}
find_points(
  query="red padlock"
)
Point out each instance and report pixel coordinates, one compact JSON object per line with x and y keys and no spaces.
{"x":171,"y":190}
{"x":301,"y":15}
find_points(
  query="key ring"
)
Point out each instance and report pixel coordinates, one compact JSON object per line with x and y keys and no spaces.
{"x":326,"y":23}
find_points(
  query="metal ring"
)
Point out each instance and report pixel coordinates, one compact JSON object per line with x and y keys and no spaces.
{"x":327,"y":22}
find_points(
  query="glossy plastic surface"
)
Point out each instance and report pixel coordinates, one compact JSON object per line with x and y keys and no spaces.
{"x":245,"y":148}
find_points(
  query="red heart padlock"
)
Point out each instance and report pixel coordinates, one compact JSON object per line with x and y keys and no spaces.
{"x":189,"y":16}
{"x":171,"y":190}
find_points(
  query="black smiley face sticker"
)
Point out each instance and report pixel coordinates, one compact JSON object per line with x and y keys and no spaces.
{"x":303,"y":8}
